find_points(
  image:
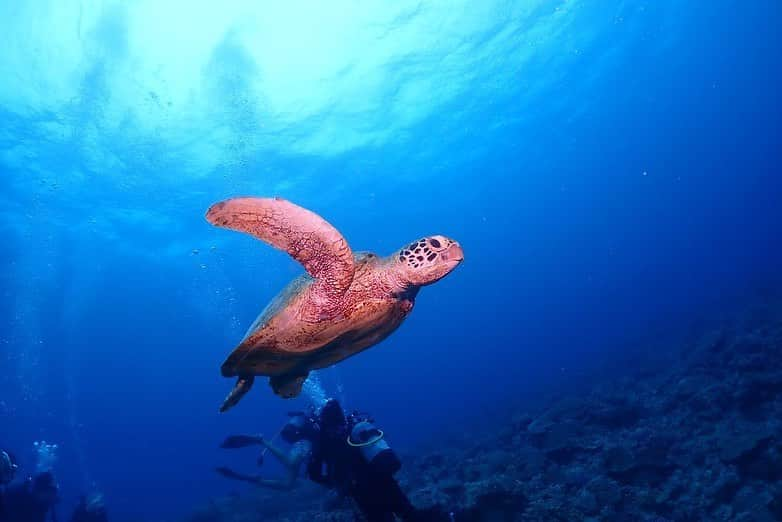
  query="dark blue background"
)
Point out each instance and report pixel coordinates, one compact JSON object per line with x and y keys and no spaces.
{"x":618,"y":199}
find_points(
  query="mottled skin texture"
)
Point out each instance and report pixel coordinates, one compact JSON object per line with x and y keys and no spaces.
{"x":345,"y":304}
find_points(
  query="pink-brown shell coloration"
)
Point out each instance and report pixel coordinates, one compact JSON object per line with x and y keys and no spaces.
{"x":345,"y":303}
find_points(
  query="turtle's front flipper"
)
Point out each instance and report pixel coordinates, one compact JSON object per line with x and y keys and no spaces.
{"x":243,"y":385}
{"x":288,"y":386}
{"x":304,"y":235}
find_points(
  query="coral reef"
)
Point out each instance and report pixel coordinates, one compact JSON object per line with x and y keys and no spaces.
{"x":698,"y":439}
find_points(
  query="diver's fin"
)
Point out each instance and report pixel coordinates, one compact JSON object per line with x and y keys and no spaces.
{"x":243,"y":385}
{"x":241,"y":441}
{"x":288,"y":386}
{"x":231,"y":474}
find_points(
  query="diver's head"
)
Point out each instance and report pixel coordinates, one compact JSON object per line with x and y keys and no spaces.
{"x":295,"y":429}
{"x":428,"y":260}
{"x":45,"y":488}
{"x":8,"y":467}
{"x":332,"y":417}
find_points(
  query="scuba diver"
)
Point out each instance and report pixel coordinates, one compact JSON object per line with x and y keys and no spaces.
{"x":90,"y":509}
{"x":31,"y":500}
{"x":351,"y":456}
{"x":299,"y":432}
{"x":8,"y":469}
{"x":345,"y":453}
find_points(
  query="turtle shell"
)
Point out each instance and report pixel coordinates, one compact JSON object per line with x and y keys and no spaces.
{"x":280,"y":341}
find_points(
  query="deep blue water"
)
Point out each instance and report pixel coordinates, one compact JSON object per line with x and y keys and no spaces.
{"x":610,"y":167}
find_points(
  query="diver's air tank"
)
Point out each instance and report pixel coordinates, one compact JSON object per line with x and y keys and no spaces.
{"x":374,"y":449}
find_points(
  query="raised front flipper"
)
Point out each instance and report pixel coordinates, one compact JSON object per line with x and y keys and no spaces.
{"x":304,"y":235}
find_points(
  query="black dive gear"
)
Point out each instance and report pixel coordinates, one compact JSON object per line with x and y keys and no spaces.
{"x":373,"y":448}
{"x":32,"y":500}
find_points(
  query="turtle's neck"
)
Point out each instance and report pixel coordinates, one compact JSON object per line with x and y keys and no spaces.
{"x":394,"y":282}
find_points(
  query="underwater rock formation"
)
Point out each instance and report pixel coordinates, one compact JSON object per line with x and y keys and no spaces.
{"x":700,"y":439}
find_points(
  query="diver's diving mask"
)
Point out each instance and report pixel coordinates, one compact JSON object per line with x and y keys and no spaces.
{"x":293,"y":431}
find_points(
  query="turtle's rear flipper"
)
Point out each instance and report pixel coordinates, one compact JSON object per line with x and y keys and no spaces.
{"x":289,"y":385}
{"x":243,"y":385}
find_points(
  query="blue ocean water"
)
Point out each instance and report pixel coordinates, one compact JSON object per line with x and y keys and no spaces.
{"x":610,"y":167}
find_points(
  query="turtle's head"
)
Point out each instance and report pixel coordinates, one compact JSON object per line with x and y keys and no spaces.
{"x":428,"y":260}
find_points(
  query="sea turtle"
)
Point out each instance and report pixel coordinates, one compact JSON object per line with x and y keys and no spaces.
{"x":344,"y":304}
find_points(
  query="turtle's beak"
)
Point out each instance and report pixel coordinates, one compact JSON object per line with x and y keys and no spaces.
{"x":454,"y":253}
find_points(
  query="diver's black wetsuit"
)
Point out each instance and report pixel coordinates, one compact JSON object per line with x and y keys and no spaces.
{"x":336,"y":464}
{"x":376,"y":493}
{"x":21,"y":505}
{"x":379,"y":497}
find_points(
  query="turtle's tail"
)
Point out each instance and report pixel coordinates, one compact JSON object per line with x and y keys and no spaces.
{"x":243,"y":385}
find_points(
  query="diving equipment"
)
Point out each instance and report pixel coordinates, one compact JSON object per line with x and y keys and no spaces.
{"x":373,"y":448}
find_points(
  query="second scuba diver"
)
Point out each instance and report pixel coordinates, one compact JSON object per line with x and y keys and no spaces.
{"x":31,"y":500}
{"x":352,"y":456}
{"x":299,"y":432}
{"x":8,"y":469}
{"x":345,"y":453}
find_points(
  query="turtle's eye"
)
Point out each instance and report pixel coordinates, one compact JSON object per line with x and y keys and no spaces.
{"x":438,"y":243}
